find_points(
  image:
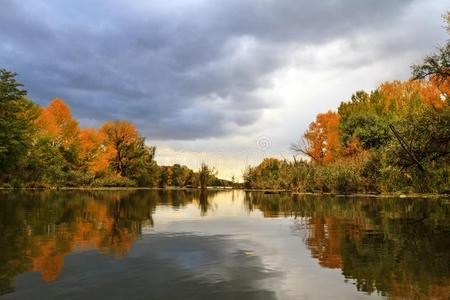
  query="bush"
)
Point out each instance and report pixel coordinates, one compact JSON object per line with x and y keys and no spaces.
{"x":113,"y":181}
{"x":37,"y":185}
{"x":345,"y":180}
{"x":7,"y":186}
{"x":78,"y":178}
{"x":16,"y":183}
{"x":321,"y":179}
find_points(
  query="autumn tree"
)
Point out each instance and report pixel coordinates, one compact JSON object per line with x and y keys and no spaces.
{"x":56,"y":123}
{"x":67,"y":126}
{"x":95,"y":154}
{"x":56,"y":146}
{"x":57,"y":127}
{"x":321,"y":140}
{"x":394,"y":96}
{"x":132,"y":158}
{"x":123,"y":137}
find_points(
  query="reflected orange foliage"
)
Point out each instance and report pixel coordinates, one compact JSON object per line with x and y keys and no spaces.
{"x":95,"y":228}
{"x":48,"y":262}
{"x":324,"y":241}
{"x":405,"y":288}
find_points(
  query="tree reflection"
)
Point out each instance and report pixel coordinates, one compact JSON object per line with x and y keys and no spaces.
{"x":396,"y":247}
{"x":39,"y":228}
{"x":203,"y":203}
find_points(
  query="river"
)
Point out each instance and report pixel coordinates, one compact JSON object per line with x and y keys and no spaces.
{"x":221,"y":245}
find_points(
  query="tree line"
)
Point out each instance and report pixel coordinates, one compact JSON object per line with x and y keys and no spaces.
{"x":393,"y":139}
{"x":45,"y":147}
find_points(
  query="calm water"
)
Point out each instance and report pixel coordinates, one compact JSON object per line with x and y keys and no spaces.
{"x":225,"y":245}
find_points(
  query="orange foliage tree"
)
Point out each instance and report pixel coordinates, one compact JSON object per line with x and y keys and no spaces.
{"x":322,"y":142}
{"x":56,"y":123}
{"x":398,"y":94}
{"x":87,"y":154}
{"x":130,"y":154}
{"x":95,"y":154}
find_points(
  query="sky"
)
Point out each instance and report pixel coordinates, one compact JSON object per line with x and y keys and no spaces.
{"x":225,"y":82}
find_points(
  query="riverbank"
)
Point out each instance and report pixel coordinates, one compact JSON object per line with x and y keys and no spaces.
{"x":379,"y":195}
{"x":215,"y":189}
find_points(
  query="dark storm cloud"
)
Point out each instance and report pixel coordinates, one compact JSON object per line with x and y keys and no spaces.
{"x":178,"y":69}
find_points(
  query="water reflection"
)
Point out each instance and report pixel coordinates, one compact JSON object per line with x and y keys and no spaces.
{"x":39,"y":228}
{"x":393,"y":247}
{"x":398,"y":247}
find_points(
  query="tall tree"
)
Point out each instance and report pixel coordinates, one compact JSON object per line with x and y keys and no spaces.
{"x":16,"y":116}
{"x":57,"y":127}
{"x":205,"y":175}
{"x":95,"y":154}
{"x":124,"y":139}
{"x":132,"y":158}
{"x":56,"y":122}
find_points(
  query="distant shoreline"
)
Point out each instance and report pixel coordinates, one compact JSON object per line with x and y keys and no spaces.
{"x":265,"y":191}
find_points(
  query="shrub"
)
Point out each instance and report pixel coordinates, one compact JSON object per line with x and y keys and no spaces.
{"x":16,"y":182}
{"x":78,"y":178}
{"x":7,"y":186}
{"x":38,"y":185}
{"x":113,"y":181}
{"x":345,"y":180}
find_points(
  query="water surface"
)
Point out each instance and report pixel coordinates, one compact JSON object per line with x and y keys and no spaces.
{"x":221,"y":245}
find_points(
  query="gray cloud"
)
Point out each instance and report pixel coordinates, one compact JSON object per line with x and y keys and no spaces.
{"x":178,"y":69}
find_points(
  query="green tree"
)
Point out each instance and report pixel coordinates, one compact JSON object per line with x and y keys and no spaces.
{"x":16,"y":116}
{"x":422,"y":147}
{"x":369,"y":128}
{"x":165,"y":178}
{"x":142,"y":167}
{"x":46,"y":165}
{"x":364,"y":119}
{"x":180,"y":175}
{"x":205,"y":175}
